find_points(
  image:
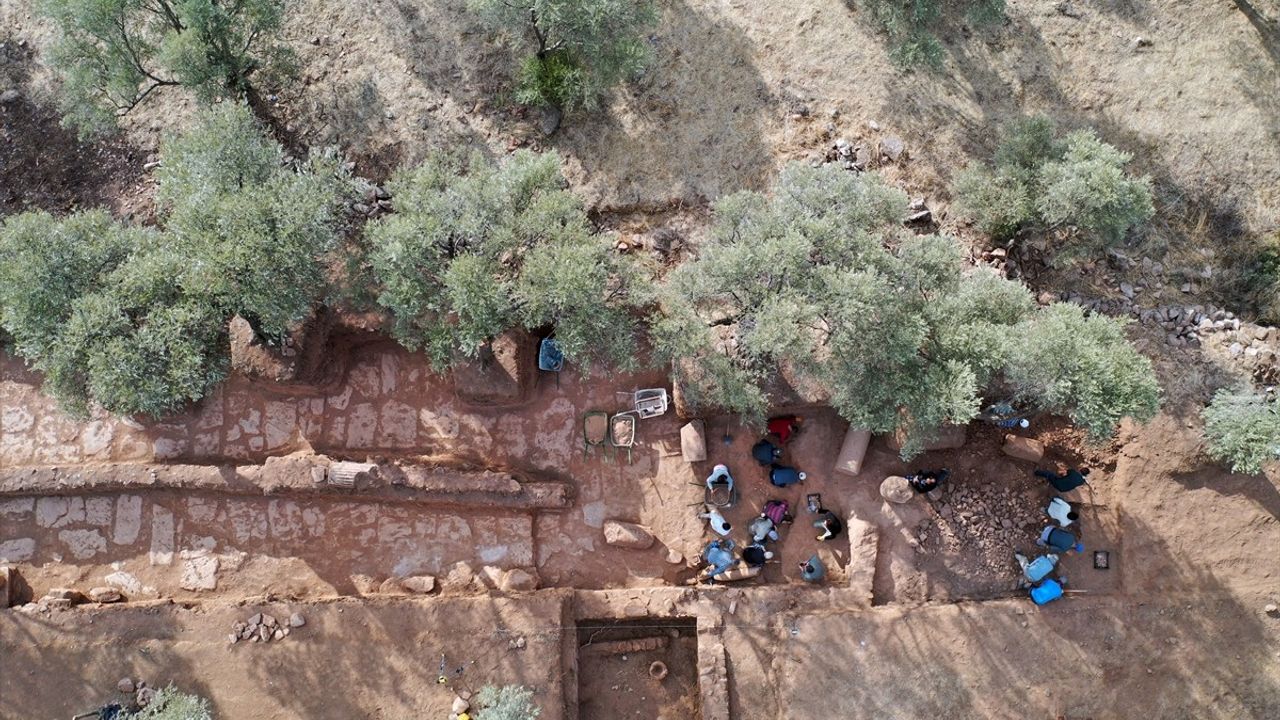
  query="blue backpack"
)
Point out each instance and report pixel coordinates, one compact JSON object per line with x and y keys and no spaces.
{"x":1046,"y":592}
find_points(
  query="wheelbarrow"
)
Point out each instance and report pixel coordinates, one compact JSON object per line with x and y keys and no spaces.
{"x":622,"y":433}
{"x":595,"y":431}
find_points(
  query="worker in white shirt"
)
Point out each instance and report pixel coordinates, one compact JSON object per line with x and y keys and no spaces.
{"x":1061,"y":512}
{"x":718,"y":524}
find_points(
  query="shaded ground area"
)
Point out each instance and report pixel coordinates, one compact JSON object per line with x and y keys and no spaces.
{"x":169,"y":544}
{"x":43,"y":166}
{"x":351,"y":660}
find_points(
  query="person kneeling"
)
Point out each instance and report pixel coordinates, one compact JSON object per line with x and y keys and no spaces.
{"x":830,"y":525}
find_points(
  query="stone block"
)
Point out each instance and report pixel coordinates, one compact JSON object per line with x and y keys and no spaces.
{"x":852,"y":452}
{"x":693,"y":441}
{"x":627,"y":535}
{"x":1023,"y":448}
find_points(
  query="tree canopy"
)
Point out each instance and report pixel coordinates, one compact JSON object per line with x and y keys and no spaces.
{"x":135,"y":319}
{"x":1243,"y":428}
{"x":819,"y":281}
{"x":581,"y":48}
{"x":256,"y":229}
{"x":1076,"y":184}
{"x":474,"y":249}
{"x":113,"y":54}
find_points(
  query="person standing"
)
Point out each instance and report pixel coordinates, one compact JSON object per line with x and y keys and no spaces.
{"x":1066,"y":482}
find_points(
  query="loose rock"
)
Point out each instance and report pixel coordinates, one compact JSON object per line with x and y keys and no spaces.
{"x":627,"y":535}
{"x":105,"y":595}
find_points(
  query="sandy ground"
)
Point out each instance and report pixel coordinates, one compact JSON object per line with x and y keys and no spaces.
{"x":351,"y":659}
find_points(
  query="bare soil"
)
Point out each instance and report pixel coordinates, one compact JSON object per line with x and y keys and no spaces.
{"x":1176,"y":628}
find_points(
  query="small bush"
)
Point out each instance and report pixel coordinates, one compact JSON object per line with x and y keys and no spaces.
{"x":1081,"y":366}
{"x":509,"y":702}
{"x":1076,"y":185}
{"x":1243,"y":428}
{"x":170,"y":704}
{"x":911,"y":26}
{"x":581,"y":48}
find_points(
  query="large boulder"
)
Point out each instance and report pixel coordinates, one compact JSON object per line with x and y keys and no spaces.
{"x":852,"y":452}
{"x":627,"y":535}
{"x":693,"y":441}
{"x":1023,"y":448}
{"x":420,"y":584}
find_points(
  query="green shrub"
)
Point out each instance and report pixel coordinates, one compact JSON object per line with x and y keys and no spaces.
{"x":509,"y":702}
{"x":581,"y":48}
{"x":819,"y":281}
{"x":140,"y":345}
{"x":46,"y":263}
{"x":1081,"y":366}
{"x":112,"y":54}
{"x":475,"y":249}
{"x":170,"y":704}
{"x":1076,"y":184}
{"x":911,"y":25}
{"x":1243,"y":428}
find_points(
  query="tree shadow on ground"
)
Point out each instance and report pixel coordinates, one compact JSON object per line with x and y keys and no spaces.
{"x":67,"y":663}
{"x":1268,"y":28}
{"x":44,"y":166}
{"x":1257,"y":488}
{"x":691,"y":130}
{"x":476,"y":637}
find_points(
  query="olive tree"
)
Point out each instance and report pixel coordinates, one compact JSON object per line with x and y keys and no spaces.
{"x":1243,"y":428}
{"x":140,"y":345}
{"x":46,"y":263}
{"x":820,"y":282}
{"x":256,"y":228}
{"x":581,"y":48}
{"x":1075,"y":184}
{"x":113,"y":54}
{"x":474,"y":249}
{"x":135,"y":320}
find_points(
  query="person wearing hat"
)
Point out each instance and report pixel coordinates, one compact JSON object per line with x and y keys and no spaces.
{"x":763,"y":528}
